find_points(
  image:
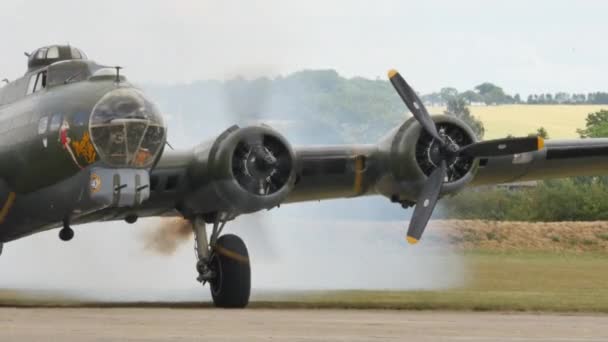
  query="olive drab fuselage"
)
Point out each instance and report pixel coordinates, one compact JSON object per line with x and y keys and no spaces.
{"x":58,"y":123}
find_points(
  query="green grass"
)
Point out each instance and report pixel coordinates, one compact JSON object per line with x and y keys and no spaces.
{"x":511,"y":281}
{"x":496,"y":281}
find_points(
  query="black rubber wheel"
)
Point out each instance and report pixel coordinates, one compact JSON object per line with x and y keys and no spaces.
{"x":230,"y":262}
{"x":66,"y":234}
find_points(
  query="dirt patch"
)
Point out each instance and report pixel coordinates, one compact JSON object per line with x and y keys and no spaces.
{"x":512,"y":236}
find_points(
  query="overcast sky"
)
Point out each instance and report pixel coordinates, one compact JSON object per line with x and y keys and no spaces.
{"x":525,"y":46}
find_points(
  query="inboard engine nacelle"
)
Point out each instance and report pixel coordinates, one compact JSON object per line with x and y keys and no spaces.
{"x":243,"y":171}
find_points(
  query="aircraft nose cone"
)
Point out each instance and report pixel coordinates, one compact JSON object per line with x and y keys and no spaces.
{"x":127,"y":129}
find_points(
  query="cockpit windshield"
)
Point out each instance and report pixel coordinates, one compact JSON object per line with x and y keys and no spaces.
{"x":127,"y":129}
{"x":68,"y":72}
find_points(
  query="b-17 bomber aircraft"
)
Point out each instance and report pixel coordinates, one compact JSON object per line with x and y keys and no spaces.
{"x":79,"y":144}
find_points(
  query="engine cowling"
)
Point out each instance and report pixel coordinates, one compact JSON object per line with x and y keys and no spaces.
{"x":244,"y":170}
{"x":412,"y":154}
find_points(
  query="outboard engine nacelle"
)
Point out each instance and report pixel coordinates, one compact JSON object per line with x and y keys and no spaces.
{"x":243,"y":171}
{"x":413,"y":154}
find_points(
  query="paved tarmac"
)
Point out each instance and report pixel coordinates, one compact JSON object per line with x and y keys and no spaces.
{"x":163,"y":324}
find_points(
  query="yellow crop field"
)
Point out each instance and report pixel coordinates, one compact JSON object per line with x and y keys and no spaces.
{"x":561,"y":121}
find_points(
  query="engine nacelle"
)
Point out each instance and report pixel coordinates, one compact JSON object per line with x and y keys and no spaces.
{"x":412,"y":154}
{"x":243,"y":171}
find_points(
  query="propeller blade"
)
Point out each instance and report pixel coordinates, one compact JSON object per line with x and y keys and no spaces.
{"x":414,"y":104}
{"x":426,"y":204}
{"x":501,"y":147}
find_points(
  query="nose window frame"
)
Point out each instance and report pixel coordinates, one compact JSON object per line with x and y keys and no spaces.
{"x":139,"y":148}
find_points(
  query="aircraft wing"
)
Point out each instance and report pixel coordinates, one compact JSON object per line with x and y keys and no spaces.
{"x":205,"y":180}
{"x":248,"y":169}
{"x":559,"y":159}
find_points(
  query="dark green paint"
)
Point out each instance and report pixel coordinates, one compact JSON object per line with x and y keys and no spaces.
{"x":50,"y":187}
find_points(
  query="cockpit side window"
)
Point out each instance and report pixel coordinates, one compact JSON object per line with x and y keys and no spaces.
{"x":32,"y":84}
{"x":76,"y":53}
{"x":53,"y":53}
{"x":37,"y":82}
{"x":41,"y":53}
{"x":41,"y":83}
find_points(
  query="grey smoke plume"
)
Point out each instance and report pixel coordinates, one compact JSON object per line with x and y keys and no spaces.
{"x":109,"y":261}
{"x":342,"y":244}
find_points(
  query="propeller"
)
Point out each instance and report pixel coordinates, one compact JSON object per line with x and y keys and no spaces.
{"x":246,"y":103}
{"x":448,"y":150}
{"x":261,"y":164}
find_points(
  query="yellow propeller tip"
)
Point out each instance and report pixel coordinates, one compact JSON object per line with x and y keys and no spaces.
{"x":541,"y":143}
{"x":411,"y":240}
{"x":392,"y":73}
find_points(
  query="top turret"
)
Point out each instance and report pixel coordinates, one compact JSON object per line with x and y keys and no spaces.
{"x":50,"y":54}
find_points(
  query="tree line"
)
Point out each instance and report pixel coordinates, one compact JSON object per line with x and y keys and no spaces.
{"x":567,"y":98}
{"x":490,"y":94}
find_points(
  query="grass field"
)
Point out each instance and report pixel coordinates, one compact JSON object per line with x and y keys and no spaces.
{"x":497,"y":281}
{"x":561,"y":121}
{"x":509,"y":266}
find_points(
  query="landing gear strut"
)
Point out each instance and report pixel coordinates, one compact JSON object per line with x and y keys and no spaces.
{"x":223,"y":262}
{"x":66,"y":233}
{"x":1,"y":246}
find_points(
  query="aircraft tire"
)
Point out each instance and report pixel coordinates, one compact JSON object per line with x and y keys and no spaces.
{"x":230,"y":261}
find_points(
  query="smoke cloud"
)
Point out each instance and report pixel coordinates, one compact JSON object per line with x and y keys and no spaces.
{"x":167,"y":235}
{"x":116,"y":261}
{"x":341,"y":244}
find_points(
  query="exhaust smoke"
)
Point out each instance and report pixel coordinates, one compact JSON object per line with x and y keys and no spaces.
{"x":342,"y":244}
{"x":167,"y":235}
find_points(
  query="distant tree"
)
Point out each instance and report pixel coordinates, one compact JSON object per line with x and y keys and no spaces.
{"x":531,"y":99}
{"x":549,"y":98}
{"x":448,"y":93}
{"x":579,"y":98}
{"x":491,"y":93}
{"x":433,"y":99}
{"x":486,"y":88}
{"x":458,"y":108}
{"x":496,"y":96}
{"x":471,"y":96}
{"x":562,"y":97}
{"x":516,"y":98}
{"x":598,"y":98}
{"x":540,"y":132}
{"x":596,"y":125}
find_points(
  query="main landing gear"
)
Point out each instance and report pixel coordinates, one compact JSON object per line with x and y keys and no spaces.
{"x":223,"y":262}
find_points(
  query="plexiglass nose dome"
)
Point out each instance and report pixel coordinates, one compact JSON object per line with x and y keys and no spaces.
{"x":127,"y":129}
